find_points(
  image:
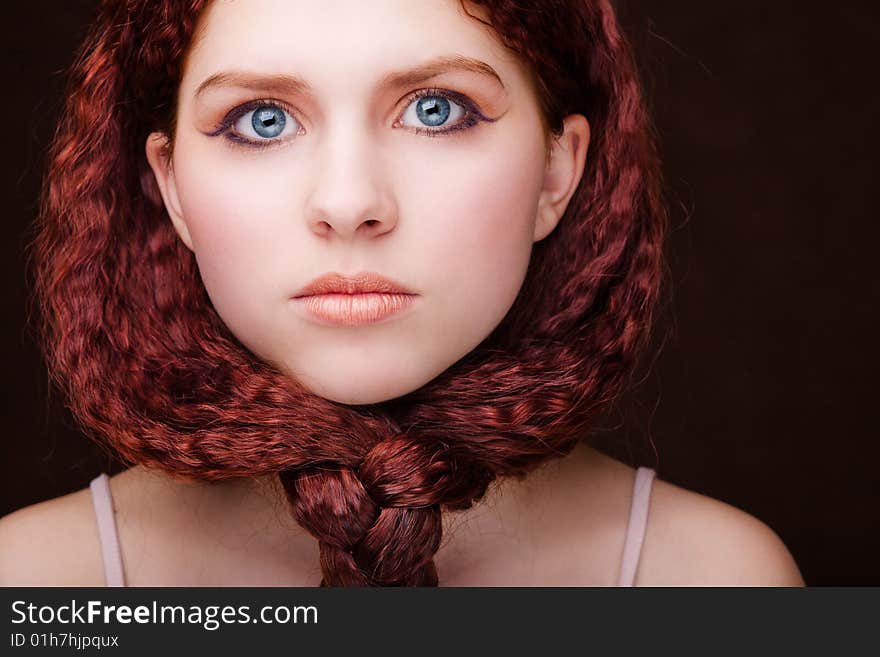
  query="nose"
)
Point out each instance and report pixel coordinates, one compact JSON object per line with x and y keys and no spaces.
{"x":350,"y":194}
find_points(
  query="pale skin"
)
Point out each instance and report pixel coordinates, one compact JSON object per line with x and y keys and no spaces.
{"x":453,"y":216}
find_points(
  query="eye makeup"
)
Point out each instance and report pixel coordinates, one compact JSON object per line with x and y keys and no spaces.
{"x":226,"y":125}
{"x":471,"y":116}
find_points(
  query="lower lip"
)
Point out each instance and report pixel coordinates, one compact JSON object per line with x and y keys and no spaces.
{"x":354,"y":309}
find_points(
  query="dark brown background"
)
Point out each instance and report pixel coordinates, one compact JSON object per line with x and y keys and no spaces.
{"x":761,"y":395}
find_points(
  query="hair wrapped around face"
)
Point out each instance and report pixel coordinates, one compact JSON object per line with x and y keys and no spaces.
{"x":150,"y":370}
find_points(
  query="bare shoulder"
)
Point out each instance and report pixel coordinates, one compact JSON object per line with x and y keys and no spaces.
{"x":695,"y":540}
{"x":56,"y":542}
{"x":52,"y":543}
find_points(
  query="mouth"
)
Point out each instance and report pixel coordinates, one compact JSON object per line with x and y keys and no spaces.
{"x":354,"y":309}
{"x":364,"y":298}
{"x":362,"y":283}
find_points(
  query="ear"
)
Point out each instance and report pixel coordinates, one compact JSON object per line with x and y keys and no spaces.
{"x":160,"y":162}
{"x":565,"y":166}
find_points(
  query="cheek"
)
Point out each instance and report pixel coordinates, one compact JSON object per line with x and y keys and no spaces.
{"x":235,"y":223}
{"x":479,"y":213}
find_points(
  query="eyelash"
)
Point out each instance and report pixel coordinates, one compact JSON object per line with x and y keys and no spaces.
{"x":471,"y":117}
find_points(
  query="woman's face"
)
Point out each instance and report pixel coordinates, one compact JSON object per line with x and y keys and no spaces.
{"x":338,"y":167}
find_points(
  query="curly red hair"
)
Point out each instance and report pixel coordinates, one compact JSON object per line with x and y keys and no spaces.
{"x":150,"y":370}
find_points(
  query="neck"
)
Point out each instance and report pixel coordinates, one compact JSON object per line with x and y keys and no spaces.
{"x":256,"y":512}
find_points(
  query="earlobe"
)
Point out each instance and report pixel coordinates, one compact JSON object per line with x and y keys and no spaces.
{"x":160,"y":163}
{"x":565,"y":168}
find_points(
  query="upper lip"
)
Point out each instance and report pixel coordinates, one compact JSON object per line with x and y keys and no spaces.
{"x":361,"y":283}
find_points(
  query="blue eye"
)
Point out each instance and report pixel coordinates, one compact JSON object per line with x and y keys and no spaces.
{"x":261,"y":122}
{"x":433,"y":110}
{"x":429,"y":109}
{"x":256,"y":124}
{"x":268,"y":122}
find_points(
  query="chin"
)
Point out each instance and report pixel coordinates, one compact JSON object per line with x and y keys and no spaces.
{"x":359,"y":399}
{"x":359,"y":395}
{"x":362,"y":383}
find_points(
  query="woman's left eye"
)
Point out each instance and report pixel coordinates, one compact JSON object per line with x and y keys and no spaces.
{"x":435,"y":112}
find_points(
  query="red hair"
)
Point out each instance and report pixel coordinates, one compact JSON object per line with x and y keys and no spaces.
{"x":150,"y":370}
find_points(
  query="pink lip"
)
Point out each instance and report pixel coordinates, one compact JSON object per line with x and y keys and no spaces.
{"x":333,"y":283}
{"x":354,"y":309}
{"x":365,"y":298}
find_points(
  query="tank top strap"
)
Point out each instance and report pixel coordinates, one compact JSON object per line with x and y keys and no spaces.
{"x":638,"y":521}
{"x":114,"y":575}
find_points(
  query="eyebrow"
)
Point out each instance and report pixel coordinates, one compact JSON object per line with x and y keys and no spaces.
{"x":291,"y":84}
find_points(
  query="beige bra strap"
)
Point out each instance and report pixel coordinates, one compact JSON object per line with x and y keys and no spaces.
{"x":110,"y":552}
{"x":635,"y":530}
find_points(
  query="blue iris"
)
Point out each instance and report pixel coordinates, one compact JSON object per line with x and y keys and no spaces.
{"x":433,"y":110}
{"x":268,"y":121}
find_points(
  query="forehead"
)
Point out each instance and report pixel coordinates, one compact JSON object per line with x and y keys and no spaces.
{"x":349,"y":41}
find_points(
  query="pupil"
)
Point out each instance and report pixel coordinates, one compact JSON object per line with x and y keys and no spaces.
{"x":433,"y":110}
{"x":268,"y":121}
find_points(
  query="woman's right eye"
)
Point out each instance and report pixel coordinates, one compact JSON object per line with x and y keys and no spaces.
{"x":259,"y":124}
